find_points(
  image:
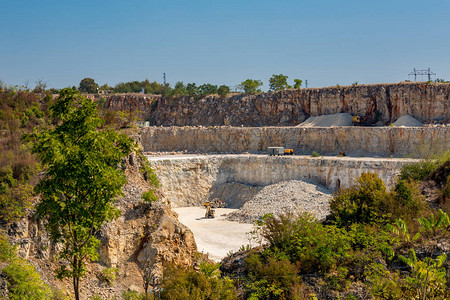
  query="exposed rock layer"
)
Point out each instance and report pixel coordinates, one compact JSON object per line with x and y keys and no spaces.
{"x":187,"y":181}
{"x":142,"y":239}
{"x":358,"y":141}
{"x":377,"y":102}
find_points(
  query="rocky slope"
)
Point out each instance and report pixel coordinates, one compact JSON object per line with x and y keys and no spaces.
{"x":138,"y":242}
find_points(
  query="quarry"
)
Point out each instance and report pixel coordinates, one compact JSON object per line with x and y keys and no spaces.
{"x":215,"y":149}
{"x":201,"y":153}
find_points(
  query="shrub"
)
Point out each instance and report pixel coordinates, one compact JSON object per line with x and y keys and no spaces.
{"x":15,"y":202}
{"x":179,"y":283}
{"x":418,"y":171}
{"x":271,"y":278}
{"x":315,"y":154}
{"x":109,"y":275}
{"x":24,"y":282}
{"x":22,"y":279}
{"x":361,"y":203}
{"x":149,"y":196}
{"x":313,"y":246}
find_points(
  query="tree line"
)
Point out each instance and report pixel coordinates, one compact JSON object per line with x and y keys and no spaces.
{"x":248,"y":86}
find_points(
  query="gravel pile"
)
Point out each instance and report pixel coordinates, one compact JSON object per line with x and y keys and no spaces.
{"x":295,"y":196}
{"x":408,"y":121}
{"x":340,"y":119}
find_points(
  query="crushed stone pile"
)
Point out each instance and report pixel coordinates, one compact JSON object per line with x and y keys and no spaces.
{"x":340,"y":119}
{"x":408,"y":121}
{"x":295,"y":196}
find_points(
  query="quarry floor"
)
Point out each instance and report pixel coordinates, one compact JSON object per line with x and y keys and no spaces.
{"x":215,"y":237}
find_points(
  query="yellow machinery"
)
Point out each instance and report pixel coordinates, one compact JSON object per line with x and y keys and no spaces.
{"x":288,"y":151}
{"x":356,"y":120}
{"x":209,"y":210}
{"x":279,"y":151}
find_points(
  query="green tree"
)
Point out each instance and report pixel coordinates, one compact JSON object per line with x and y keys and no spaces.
{"x":251,"y":86}
{"x":82,"y":179}
{"x":192,"y":89}
{"x":278,"y":82}
{"x":105,"y":87}
{"x":88,"y":85}
{"x":297,"y":83}
{"x":223,"y":91}
{"x":207,"y":89}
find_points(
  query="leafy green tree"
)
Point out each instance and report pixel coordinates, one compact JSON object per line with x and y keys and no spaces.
{"x":297,"y":83}
{"x":207,"y":89}
{"x":105,"y":87}
{"x":88,"y":85}
{"x":278,"y":82}
{"x":82,"y":179}
{"x":251,"y":86}
{"x":223,"y":91}
{"x":192,"y":89}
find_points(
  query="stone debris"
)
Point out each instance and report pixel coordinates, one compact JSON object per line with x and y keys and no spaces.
{"x":408,"y":121}
{"x":295,"y":196}
{"x":340,"y":119}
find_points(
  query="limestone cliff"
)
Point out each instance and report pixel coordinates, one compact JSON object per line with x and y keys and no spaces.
{"x":142,"y":239}
{"x":377,"y":102}
{"x":186,"y":181}
{"x":356,"y":141}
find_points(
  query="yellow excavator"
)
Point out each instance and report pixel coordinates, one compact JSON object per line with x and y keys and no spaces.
{"x":210,"y":212}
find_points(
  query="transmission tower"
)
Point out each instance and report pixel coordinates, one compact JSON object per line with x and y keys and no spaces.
{"x":422,"y":73}
{"x":164,"y":78}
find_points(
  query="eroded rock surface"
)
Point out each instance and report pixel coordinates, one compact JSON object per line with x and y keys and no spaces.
{"x":143,"y":238}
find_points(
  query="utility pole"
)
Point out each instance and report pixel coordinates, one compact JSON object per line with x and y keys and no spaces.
{"x":422,"y":73}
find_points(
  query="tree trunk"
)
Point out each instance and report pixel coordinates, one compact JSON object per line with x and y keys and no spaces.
{"x":76,"y":279}
{"x":75,"y":287}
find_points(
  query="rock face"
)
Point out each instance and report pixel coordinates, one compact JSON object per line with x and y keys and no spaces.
{"x":378,"y":102}
{"x":142,"y":239}
{"x":141,"y":104}
{"x":189,"y":181}
{"x":148,"y":235}
{"x":356,"y":141}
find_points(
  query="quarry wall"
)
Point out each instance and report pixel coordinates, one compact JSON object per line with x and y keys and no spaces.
{"x":186,"y":180}
{"x":354,"y":141}
{"x":377,"y":102}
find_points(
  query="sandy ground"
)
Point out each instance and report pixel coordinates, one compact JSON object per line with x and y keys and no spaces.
{"x":215,"y":236}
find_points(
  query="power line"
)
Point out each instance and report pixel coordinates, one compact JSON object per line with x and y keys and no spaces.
{"x":422,"y":73}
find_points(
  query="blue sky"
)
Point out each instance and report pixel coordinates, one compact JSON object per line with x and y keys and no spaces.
{"x":222,"y":42}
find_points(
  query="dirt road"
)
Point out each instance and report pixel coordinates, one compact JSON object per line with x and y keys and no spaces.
{"x":215,"y":236}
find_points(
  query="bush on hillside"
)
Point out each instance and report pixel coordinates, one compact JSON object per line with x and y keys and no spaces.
{"x":23,"y":281}
{"x":187,"y":284}
{"x":271,"y":278}
{"x":369,"y":202}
